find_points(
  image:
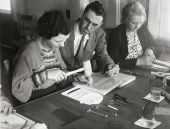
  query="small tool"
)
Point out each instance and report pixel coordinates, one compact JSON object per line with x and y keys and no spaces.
{"x":112,"y":107}
{"x":122,"y":99}
{"x":75,"y":71}
{"x":134,"y":73}
{"x":104,"y":115}
{"x":73,"y":90}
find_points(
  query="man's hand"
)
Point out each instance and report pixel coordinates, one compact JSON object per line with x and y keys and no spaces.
{"x":85,"y":79}
{"x":113,"y":71}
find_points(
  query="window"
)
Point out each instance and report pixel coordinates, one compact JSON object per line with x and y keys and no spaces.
{"x":165,"y":19}
{"x":5,"y":6}
{"x":159,"y":18}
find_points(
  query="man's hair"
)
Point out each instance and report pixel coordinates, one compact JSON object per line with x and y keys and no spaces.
{"x":95,"y":6}
{"x":52,"y":23}
{"x":133,"y":9}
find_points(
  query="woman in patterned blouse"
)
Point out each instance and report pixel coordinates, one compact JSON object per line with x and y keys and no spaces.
{"x":130,"y":44}
{"x":39,"y":67}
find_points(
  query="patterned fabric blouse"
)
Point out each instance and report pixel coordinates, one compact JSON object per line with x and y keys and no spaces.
{"x":134,"y":48}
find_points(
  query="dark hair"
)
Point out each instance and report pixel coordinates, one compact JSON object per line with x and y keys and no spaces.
{"x":52,"y":23}
{"x":95,"y":6}
{"x":133,"y":8}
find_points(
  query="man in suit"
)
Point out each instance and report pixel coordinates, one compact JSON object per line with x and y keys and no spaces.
{"x":87,"y":41}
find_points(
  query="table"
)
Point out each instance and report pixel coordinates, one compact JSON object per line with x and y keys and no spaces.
{"x":42,"y":110}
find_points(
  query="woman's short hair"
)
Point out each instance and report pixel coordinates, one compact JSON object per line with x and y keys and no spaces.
{"x":52,"y":23}
{"x":133,"y":9}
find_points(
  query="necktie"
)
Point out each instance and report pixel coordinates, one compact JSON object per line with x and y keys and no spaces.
{"x":79,"y":54}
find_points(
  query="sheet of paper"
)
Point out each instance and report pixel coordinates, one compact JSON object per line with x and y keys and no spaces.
{"x":163,"y":63}
{"x":151,"y":98}
{"x":14,"y":120}
{"x":160,"y":68}
{"x":84,"y":96}
{"x":151,"y":124}
{"x":103,"y":84}
{"x":155,"y":73}
{"x":162,"y":111}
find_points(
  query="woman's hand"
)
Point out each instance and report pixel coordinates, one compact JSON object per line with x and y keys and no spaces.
{"x":147,"y":59}
{"x":6,"y":106}
{"x":149,"y":53}
{"x":85,"y":79}
{"x":57,"y":75}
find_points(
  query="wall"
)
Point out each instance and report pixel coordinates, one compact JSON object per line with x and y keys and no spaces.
{"x":38,"y":7}
{"x":113,"y":10}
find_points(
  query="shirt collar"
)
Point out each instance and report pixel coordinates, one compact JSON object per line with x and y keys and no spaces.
{"x":77,"y":31}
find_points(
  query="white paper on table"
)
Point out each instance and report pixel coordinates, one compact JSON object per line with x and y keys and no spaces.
{"x":84,"y":96}
{"x":14,"y":120}
{"x":158,"y":73}
{"x":103,"y":84}
{"x":151,"y":124}
{"x":163,"y":63}
{"x":91,"y":98}
{"x":160,"y":68}
{"x":18,"y":121}
{"x":151,"y":98}
{"x":39,"y":126}
{"x":162,"y":111}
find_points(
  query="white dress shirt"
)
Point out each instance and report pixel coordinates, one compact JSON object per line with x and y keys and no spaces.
{"x":78,"y":37}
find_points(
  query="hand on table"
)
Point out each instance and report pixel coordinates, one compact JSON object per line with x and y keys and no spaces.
{"x":85,"y":79}
{"x":147,"y":59}
{"x":113,"y":71}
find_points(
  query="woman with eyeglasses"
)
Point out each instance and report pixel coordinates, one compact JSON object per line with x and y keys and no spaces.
{"x":130,"y":44}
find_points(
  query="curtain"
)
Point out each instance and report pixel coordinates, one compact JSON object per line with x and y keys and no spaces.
{"x":159,"y":18}
{"x":165,"y":19}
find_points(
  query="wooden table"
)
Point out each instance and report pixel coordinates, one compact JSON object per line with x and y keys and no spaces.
{"x":42,"y":110}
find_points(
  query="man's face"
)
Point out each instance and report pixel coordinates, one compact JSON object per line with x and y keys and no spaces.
{"x":90,"y":22}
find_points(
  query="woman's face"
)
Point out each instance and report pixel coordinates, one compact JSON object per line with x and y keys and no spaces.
{"x":58,"y":40}
{"x":134,"y":23}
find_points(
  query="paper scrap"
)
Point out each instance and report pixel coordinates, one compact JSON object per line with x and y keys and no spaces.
{"x":151,"y":124}
{"x":162,"y":111}
{"x":83,"y":95}
{"x":151,"y":98}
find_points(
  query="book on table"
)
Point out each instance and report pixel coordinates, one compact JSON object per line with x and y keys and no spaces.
{"x":103,"y":84}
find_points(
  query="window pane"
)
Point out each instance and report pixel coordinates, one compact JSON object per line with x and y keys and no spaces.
{"x":5,"y":5}
{"x":165,"y":19}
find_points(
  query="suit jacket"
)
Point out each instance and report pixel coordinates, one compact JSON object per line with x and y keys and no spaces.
{"x":118,"y":45}
{"x":95,"y":47}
